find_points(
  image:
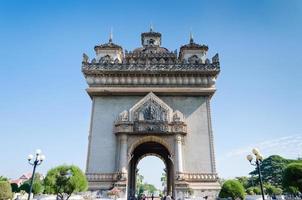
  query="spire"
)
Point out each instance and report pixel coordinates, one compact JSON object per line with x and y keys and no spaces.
{"x":110,"y":36}
{"x":191,"y":38}
{"x":151,"y":27}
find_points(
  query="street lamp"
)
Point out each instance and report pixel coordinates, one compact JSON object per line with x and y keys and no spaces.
{"x":34,"y":161}
{"x":257,"y":163}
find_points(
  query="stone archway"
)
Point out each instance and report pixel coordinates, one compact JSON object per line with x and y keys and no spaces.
{"x":150,"y":148}
{"x":149,"y":127}
{"x":151,"y":93}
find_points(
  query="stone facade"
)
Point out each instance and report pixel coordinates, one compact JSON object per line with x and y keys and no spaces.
{"x":151,"y":101}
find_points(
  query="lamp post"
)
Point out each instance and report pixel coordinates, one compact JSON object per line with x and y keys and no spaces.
{"x":34,"y":161}
{"x":257,"y":163}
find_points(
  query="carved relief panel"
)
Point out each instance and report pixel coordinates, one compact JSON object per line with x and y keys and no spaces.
{"x":150,"y":115}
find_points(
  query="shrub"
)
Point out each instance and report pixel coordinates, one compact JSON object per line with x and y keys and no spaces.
{"x":15,"y":187}
{"x":292,"y":190}
{"x":253,"y":190}
{"x":38,"y":187}
{"x":272,"y":190}
{"x":292,"y":176}
{"x":2,"y":178}
{"x":25,"y":187}
{"x":5,"y":190}
{"x":233,"y":189}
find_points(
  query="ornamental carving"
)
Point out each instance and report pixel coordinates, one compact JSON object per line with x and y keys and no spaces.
{"x":85,"y":58}
{"x":150,"y":108}
{"x":196,"y":177}
{"x":140,"y":66}
{"x":151,"y":115}
{"x":194,"y":60}
{"x":106,"y":59}
{"x":103,"y":177}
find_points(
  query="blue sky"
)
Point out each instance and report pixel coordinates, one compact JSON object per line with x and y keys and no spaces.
{"x":43,"y":100}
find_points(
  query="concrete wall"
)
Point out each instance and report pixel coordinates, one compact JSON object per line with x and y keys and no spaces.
{"x":196,"y":147}
{"x":103,"y":149}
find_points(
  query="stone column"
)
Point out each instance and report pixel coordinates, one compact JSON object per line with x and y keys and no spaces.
{"x":178,"y":153}
{"x":123,"y":153}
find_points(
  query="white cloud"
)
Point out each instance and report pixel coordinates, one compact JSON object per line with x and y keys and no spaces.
{"x":233,"y":163}
{"x":288,"y":146}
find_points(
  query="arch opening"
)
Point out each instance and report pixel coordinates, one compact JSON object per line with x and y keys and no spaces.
{"x":151,"y":176}
{"x":143,"y":150}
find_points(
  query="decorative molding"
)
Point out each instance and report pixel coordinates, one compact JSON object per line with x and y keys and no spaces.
{"x":100,"y":177}
{"x":150,"y":138}
{"x":149,"y":67}
{"x":176,"y":91}
{"x":151,"y":115}
{"x":106,"y":177}
{"x":140,"y":80}
{"x":196,"y":177}
{"x":161,"y":110}
{"x":211,"y":137}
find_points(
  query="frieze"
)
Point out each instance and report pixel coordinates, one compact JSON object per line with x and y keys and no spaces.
{"x":100,"y":177}
{"x":99,"y":68}
{"x":145,"y":80}
{"x":145,"y":127}
{"x":197,"y":177}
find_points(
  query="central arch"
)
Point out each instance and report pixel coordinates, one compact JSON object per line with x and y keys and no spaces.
{"x":150,"y":148}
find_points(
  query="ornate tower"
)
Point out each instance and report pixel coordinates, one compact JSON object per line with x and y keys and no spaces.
{"x":151,"y":101}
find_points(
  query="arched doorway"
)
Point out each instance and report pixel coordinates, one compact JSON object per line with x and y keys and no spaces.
{"x":151,"y":178}
{"x":150,"y":148}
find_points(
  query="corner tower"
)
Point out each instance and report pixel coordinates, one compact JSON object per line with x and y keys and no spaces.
{"x":151,"y":101}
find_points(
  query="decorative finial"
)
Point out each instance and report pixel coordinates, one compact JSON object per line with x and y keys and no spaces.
{"x":85,"y":58}
{"x":191,"y":38}
{"x":151,"y":27}
{"x":111,"y":36}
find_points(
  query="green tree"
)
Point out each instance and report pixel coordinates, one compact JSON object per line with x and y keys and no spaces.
{"x":292,"y":176}
{"x":143,"y":187}
{"x":139,"y":184}
{"x":25,"y":186}
{"x":233,"y":189}
{"x":151,"y":189}
{"x":272,"y":169}
{"x":253,"y":190}
{"x":292,"y":190}
{"x":2,"y":178}
{"x":15,"y":187}
{"x":58,"y":182}
{"x":272,"y":190}
{"x":244,"y":180}
{"x":5,"y":190}
{"x":38,"y":187}
{"x":163,"y":179}
{"x":38,"y":184}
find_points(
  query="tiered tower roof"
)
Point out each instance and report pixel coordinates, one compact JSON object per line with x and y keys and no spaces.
{"x":151,"y":66}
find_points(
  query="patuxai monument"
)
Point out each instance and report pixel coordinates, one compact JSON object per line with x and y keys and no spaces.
{"x":152,"y":101}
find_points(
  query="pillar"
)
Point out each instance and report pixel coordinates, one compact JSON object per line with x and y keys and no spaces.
{"x":123,"y":153}
{"x":178,"y":153}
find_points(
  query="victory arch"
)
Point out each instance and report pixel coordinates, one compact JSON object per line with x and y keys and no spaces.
{"x":151,"y":101}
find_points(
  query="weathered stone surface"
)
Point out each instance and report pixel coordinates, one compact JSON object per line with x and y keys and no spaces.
{"x":151,"y":101}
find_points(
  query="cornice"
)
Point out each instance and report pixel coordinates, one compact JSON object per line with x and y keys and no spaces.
{"x":122,"y":91}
